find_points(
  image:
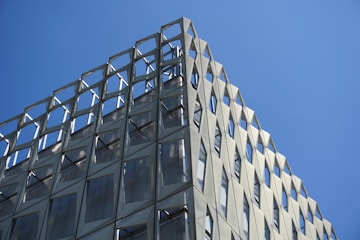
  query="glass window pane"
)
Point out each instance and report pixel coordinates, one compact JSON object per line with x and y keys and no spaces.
{"x":100,"y":198}
{"x":224,"y":192}
{"x":61,"y":221}
{"x":174,"y":224}
{"x":173,"y":112}
{"x":174,"y":162}
{"x":246,"y":216}
{"x":26,"y":227}
{"x":201,"y":166}
{"x":138,"y":180}
{"x":141,"y":128}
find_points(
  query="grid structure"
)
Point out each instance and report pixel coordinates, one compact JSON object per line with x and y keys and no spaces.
{"x":154,"y":144}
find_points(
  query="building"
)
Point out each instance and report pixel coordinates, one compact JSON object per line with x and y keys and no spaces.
{"x":155,"y":142}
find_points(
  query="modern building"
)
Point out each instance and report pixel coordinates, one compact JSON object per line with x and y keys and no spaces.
{"x":154,"y":144}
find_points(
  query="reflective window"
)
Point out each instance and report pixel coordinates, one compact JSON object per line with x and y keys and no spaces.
{"x":226,"y":98}
{"x":173,"y":112}
{"x":173,"y":222}
{"x":39,"y":183}
{"x":143,"y":91}
{"x":293,"y":192}
{"x":249,"y":151}
{"x":25,"y":227}
{"x":276,"y":216}
{"x":231,"y":127}
{"x":237,"y":165}
{"x":243,"y":122}
{"x":224,"y":192}
{"x":277,"y":168}
{"x":137,"y":232}
{"x":213,"y":102}
{"x":195,"y":78}
{"x":208,"y":225}
{"x":267,"y":231}
{"x":284,"y":199}
{"x":171,"y":76}
{"x":302,"y":223}
{"x":294,"y":232}
{"x":257,"y":190}
{"x":246,"y":216}
{"x":174,"y":162}
{"x":137,"y":180}
{"x":141,"y":128}
{"x":217,"y":143}
{"x":108,"y":146}
{"x":267,"y":175}
{"x":201,"y":166}
{"x":8,"y":199}
{"x":100,"y":198}
{"x":73,"y":165}
{"x":61,"y":222}
{"x":197,"y":114}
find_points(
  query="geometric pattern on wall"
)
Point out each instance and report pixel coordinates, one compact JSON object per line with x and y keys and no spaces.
{"x":154,"y":143}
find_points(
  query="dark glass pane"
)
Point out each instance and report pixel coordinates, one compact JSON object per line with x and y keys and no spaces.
{"x":25,"y":227}
{"x":137,"y":180}
{"x":174,"y":163}
{"x":61,"y":221}
{"x":100,"y":198}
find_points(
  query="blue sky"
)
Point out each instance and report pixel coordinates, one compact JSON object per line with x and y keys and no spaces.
{"x":297,"y":64}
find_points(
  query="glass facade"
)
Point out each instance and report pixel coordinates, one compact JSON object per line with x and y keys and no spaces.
{"x":150,"y":145}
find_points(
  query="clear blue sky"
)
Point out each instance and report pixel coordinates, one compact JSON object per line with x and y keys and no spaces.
{"x":297,"y":64}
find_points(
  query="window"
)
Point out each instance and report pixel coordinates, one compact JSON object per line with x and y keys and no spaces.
{"x":137,"y":232}
{"x":201,"y":166}
{"x":246,"y":215}
{"x":73,"y":165}
{"x":257,"y":190}
{"x":171,"y":76}
{"x":267,"y":231}
{"x":293,"y":192}
{"x":25,"y":227}
{"x":108,"y":146}
{"x":195,"y":78}
{"x":138,"y":184}
{"x":173,"y":222}
{"x":267,"y":175}
{"x":61,"y":222}
{"x":39,"y":183}
{"x":231,"y":127}
{"x":224,"y":192}
{"x":325,"y":236}
{"x":208,"y":225}
{"x":294,"y":232}
{"x":310,"y":215}
{"x":197,"y":114}
{"x":8,"y":197}
{"x":141,"y":128}
{"x":237,"y":165}
{"x":277,"y":168}
{"x":276,"y":216}
{"x":284,"y":199}
{"x":209,"y":74}
{"x":217,"y":143}
{"x":226,"y":98}
{"x":173,"y":112}
{"x":174,"y":162}
{"x":99,"y":198}
{"x":260,"y":145}
{"x":213,"y":102}
{"x":302,"y":223}
{"x":249,"y":151}
{"x":243,"y":122}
